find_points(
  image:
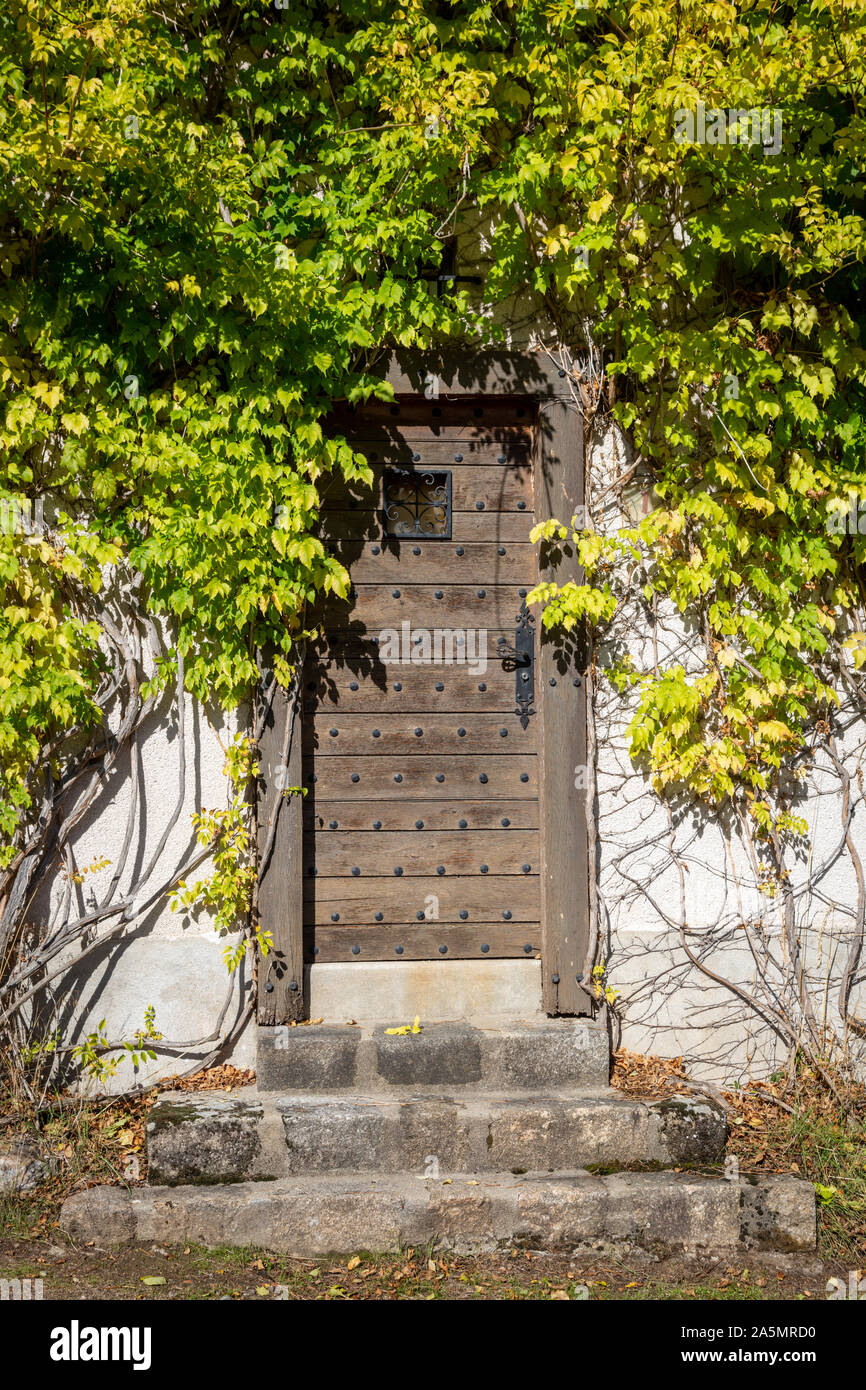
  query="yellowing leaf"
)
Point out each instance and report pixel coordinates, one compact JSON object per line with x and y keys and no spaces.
{"x":414,"y":1027}
{"x":774,"y":730}
{"x":596,"y":209}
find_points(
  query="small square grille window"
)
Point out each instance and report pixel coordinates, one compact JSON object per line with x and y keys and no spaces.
{"x":417,"y":502}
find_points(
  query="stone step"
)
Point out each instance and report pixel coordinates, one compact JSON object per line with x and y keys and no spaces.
{"x":662,"y":1212}
{"x":520,"y":1056}
{"x":210,"y":1138}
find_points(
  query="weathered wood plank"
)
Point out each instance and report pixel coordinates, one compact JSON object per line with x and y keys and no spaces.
{"x":339,"y":816}
{"x":280,"y":901}
{"x":504,"y":940}
{"x":365,"y":523}
{"x":412,"y":562}
{"x":337,"y":733}
{"x":480,"y":417}
{"x":386,"y":439}
{"x":357,"y":779}
{"x":491,"y":690}
{"x":562,"y":747}
{"x":375,"y":853}
{"x":484,"y":897}
{"x":446,"y":453}
{"x":344,"y":646}
{"x":372,"y":607}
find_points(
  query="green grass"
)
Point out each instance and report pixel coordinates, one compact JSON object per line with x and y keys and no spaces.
{"x":831,"y":1154}
{"x":18,"y":1215}
{"x":740,"y":1292}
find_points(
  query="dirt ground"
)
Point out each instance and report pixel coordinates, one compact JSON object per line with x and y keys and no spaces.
{"x":152,"y":1272}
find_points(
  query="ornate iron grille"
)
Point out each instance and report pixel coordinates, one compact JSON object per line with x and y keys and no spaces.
{"x":417,"y":502}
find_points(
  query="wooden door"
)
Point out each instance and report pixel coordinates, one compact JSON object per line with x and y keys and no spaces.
{"x":420,"y":704}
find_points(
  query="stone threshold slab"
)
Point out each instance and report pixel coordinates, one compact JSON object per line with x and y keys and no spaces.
{"x":521,"y":1055}
{"x":661,"y":1212}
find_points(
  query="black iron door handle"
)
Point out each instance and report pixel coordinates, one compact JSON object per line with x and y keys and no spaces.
{"x":521,"y":659}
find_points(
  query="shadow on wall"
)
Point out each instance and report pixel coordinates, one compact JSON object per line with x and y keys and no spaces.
{"x":136,"y":839}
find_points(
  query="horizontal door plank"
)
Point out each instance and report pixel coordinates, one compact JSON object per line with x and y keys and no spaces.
{"x":365,"y":523}
{"x":337,"y":733}
{"x":357,"y":779}
{"x":419,"y":689}
{"x":500,"y":487}
{"x":445,"y":453}
{"x":443,"y":414}
{"x":345,"y":646}
{"x":339,"y":816}
{"x":425,"y":942}
{"x":376,"y":606}
{"x":418,"y":852}
{"x":418,"y":434}
{"x":484,"y":897}
{"x":380,"y":562}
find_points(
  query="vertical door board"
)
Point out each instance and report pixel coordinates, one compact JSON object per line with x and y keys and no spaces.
{"x":562,"y":743}
{"x":280,"y":841}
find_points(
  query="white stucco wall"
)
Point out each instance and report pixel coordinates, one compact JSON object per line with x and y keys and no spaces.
{"x":170,"y":960}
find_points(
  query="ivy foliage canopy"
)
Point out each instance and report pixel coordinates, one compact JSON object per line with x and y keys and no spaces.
{"x":216,"y":218}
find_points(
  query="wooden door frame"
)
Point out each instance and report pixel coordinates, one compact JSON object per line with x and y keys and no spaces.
{"x":558,"y":475}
